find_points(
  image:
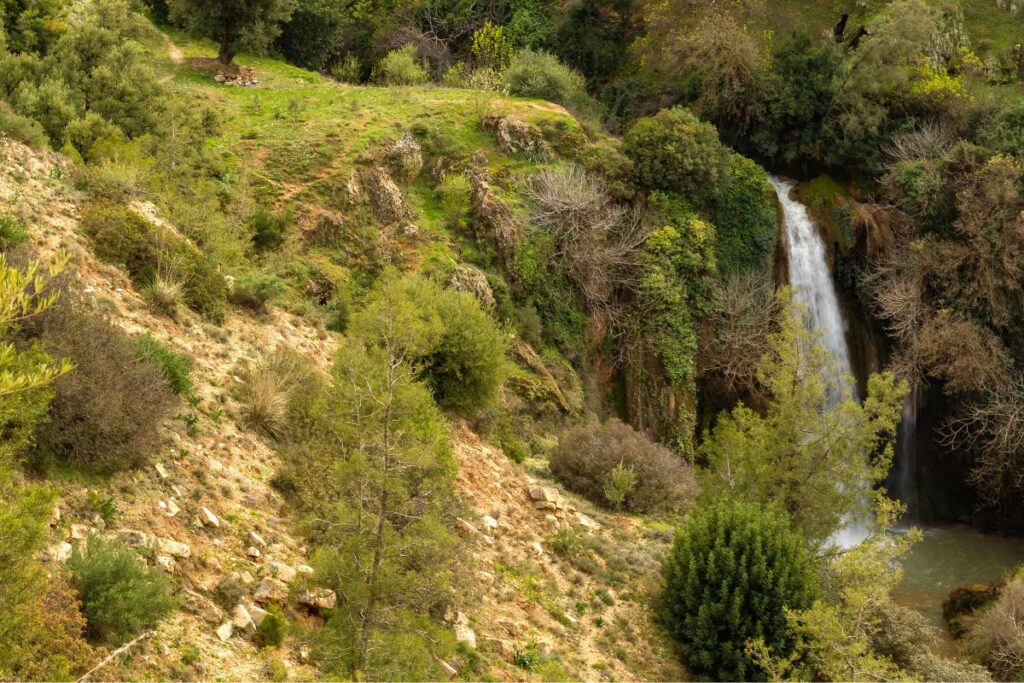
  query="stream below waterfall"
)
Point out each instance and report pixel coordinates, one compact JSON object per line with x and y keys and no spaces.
{"x":947,"y":556}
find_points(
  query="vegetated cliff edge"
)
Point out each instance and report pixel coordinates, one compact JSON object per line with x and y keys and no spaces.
{"x":204,"y":505}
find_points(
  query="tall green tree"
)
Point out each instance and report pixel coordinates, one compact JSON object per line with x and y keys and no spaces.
{"x":807,"y":455}
{"x":234,"y":24}
{"x":375,"y":479}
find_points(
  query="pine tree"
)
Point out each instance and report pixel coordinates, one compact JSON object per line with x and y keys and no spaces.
{"x":733,"y":572}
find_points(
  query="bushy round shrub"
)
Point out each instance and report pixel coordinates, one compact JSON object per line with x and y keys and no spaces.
{"x":676,"y":152}
{"x":272,"y":629}
{"x":586,"y":457}
{"x":400,"y":67}
{"x":120,"y":596}
{"x":106,"y":413}
{"x":733,"y":571}
{"x":540,"y":75}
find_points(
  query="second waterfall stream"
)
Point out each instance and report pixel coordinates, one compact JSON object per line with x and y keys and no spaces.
{"x":814,"y":291}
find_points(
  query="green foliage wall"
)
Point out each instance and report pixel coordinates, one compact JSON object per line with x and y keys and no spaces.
{"x":745,"y":217}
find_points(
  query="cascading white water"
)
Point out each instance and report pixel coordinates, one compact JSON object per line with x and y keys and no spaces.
{"x":813,"y":288}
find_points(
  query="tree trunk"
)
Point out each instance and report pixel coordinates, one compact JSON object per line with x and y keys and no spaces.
{"x":226,"y":55}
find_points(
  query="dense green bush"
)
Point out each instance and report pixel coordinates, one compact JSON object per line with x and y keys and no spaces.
{"x":676,"y":152}
{"x":607,"y":161}
{"x":400,"y":67}
{"x":176,"y":366}
{"x":542,"y":76}
{"x":256,"y":290}
{"x":1004,"y":132}
{"x":458,"y":349}
{"x":268,"y":229}
{"x":745,"y":217}
{"x":271,"y":631}
{"x":586,"y":457}
{"x":21,"y":128}
{"x":120,"y":596}
{"x":732,"y":573}
{"x":106,"y":413}
{"x":121,"y":236}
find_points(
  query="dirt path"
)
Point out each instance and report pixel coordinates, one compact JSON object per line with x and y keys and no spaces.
{"x":174,"y":52}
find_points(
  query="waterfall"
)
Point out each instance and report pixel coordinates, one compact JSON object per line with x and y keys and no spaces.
{"x":904,"y":485}
{"x":812,"y":285}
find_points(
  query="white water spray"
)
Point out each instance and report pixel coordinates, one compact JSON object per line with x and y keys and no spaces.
{"x":813,"y":288}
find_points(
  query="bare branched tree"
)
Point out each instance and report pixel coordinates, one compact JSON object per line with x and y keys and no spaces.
{"x":734,"y":337}
{"x":928,"y":141}
{"x":992,"y":427}
{"x":596,"y":238}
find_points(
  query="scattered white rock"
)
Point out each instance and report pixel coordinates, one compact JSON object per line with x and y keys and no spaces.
{"x":172,"y":508}
{"x":490,"y":522}
{"x":165,"y":562}
{"x":537,"y":548}
{"x":242,"y":620}
{"x":60,"y":552}
{"x":551,"y":522}
{"x":257,"y":540}
{"x":225,"y":630}
{"x":448,"y":668}
{"x":209,"y":519}
{"x":253,"y":552}
{"x":464,"y":634}
{"x":305,"y":569}
{"x":79,"y":532}
{"x":161,"y":471}
{"x":319,"y":598}
{"x":174,"y":548}
{"x":271,"y":590}
{"x":282,"y":571}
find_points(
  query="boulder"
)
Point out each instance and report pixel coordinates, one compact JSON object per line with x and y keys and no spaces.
{"x":385,"y":197}
{"x":467,"y":278}
{"x":405,"y":158}
{"x":586,"y":522}
{"x":201,"y":606}
{"x":464,"y":634}
{"x":79,"y":532}
{"x":161,"y":471}
{"x":318,"y":598}
{"x":257,"y":613}
{"x":516,"y":137}
{"x":209,"y":519}
{"x":134,"y":538}
{"x":282,"y":571}
{"x":242,"y":620}
{"x":165,"y":562}
{"x":253,"y":552}
{"x":174,"y":548}
{"x":60,"y":552}
{"x":271,"y":590}
{"x":257,"y":540}
{"x":225,"y":630}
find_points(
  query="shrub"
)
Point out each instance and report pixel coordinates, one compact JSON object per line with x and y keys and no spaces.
{"x":271,"y":631}
{"x":468,"y":366}
{"x":266,"y":388}
{"x":106,"y":413}
{"x":348,"y":70}
{"x":745,"y":218}
{"x":166,"y":295}
{"x":21,"y":128}
{"x":123,"y":237}
{"x":586,"y":457}
{"x":458,"y":349}
{"x":119,"y":595}
{"x":453,"y":193}
{"x":996,"y":637}
{"x":675,"y":152}
{"x":11,"y":232}
{"x":613,"y":166}
{"x":176,"y":366}
{"x":268,"y":229}
{"x":540,"y":75}
{"x":255,"y":291}
{"x":732,"y":573}
{"x":400,"y":67}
